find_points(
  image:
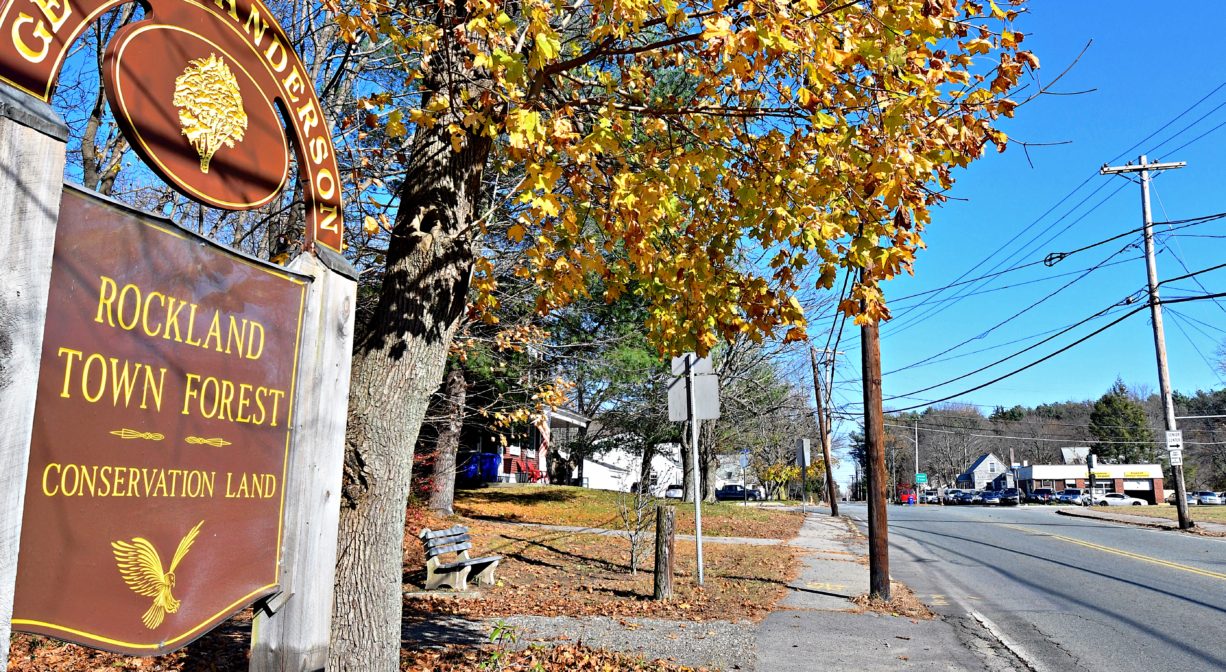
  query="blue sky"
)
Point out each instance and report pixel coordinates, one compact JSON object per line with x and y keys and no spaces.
{"x":1148,"y":63}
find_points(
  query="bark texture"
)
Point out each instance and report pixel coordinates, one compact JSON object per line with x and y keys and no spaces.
{"x":398,"y":363}
{"x":455,"y":391}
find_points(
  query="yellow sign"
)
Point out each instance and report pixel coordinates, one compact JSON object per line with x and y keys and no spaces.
{"x":1102,"y":474}
{"x":1137,"y":474}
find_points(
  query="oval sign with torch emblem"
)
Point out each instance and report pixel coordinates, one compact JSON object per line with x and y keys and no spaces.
{"x":198,"y":115}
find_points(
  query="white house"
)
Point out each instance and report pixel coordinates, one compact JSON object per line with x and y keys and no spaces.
{"x":619,"y":469}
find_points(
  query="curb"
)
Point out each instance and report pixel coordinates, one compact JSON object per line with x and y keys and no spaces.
{"x":1158,"y":523}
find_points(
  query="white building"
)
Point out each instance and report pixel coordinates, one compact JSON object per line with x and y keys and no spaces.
{"x":620,"y":469}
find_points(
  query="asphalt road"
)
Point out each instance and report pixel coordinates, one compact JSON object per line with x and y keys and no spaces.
{"x":1067,"y":593}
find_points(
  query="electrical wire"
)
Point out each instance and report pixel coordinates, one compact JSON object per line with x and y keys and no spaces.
{"x":1040,"y":438}
{"x":1059,"y":351}
{"x":1019,"y":313}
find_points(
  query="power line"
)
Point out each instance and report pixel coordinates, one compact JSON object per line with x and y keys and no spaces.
{"x":1070,"y":194}
{"x":1040,"y":438}
{"x":1061,"y":350}
{"x":1046,"y":340}
{"x":1019,"y":313}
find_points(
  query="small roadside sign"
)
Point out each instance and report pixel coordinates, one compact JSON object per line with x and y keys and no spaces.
{"x":802,"y":453}
{"x":921,"y":478}
{"x":1174,"y":440}
{"x":1176,"y":458}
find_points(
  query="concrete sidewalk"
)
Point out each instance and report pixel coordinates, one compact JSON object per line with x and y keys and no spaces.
{"x":817,"y":626}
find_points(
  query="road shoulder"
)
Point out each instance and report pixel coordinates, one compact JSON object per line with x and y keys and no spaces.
{"x":1202,"y":527}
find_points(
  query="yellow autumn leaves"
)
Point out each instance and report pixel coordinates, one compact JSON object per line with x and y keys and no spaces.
{"x":716,"y":158}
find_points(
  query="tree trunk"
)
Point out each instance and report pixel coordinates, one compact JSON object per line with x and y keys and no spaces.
{"x":645,"y":471}
{"x":708,"y":460}
{"x":454,"y":390}
{"x":398,"y":363}
{"x":687,"y":466}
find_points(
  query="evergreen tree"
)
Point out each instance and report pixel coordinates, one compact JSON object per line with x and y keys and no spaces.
{"x":1119,"y":422}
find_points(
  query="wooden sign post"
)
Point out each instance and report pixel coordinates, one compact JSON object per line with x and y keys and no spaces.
{"x":31,"y":146}
{"x":173,"y":416}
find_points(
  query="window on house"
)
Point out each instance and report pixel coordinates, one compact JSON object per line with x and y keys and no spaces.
{"x":991,"y":467}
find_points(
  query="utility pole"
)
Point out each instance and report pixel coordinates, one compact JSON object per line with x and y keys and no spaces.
{"x":823,"y":427}
{"x":915,"y":479}
{"x":1155,"y":312}
{"x":874,"y":443}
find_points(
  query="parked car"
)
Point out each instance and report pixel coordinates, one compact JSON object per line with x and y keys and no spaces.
{"x":1041,"y":496}
{"x":931,"y":496}
{"x":951,"y":496}
{"x":990,"y":497}
{"x":1118,"y":499}
{"x":1071,"y":496}
{"x":674,"y":492}
{"x":735,"y":492}
{"x":1011,"y":496}
{"x":970,"y":497}
{"x":1208,"y":497}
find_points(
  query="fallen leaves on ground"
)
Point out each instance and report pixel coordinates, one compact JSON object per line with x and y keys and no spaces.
{"x":220,"y":650}
{"x":549,"y":573}
{"x":902,"y":602}
{"x":560,"y":658}
{"x":585,"y":507}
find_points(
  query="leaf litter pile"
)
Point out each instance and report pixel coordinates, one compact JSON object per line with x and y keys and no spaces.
{"x":550,"y":573}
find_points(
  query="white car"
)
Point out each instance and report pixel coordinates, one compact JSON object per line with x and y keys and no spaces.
{"x":674,"y":492}
{"x":1071,"y":496}
{"x":1207,"y":497}
{"x":1118,"y":499}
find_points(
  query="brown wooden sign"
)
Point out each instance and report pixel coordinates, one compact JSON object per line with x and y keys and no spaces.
{"x":199,"y":89}
{"x":153,"y":504}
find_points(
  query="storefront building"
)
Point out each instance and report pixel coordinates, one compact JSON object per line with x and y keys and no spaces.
{"x":1143,"y":481}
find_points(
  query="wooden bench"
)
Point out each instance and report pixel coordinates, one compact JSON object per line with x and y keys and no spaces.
{"x":455,"y":574}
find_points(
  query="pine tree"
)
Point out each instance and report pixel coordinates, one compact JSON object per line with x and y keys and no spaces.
{"x":1119,"y":422}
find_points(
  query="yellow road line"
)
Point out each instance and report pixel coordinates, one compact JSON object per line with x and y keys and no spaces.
{"x":1126,"y":554}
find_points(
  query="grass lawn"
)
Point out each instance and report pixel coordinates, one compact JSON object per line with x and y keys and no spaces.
{"x":1213,"y":514}
{"x":564,"y":505}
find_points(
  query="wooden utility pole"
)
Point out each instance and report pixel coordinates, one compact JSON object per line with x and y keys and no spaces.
{"x":823,"y":427}
{"x":1155,"y":312}
{"x":874,"y":443}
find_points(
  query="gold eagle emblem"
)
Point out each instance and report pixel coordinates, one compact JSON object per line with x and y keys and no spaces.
{"x":141,"y":568}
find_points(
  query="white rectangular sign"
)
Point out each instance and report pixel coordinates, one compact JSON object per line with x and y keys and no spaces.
{"x":802,"y":453}
{"x":1174,"y":440}
{"x":700,"y":365}
{"x":1176,"y":458}
{"x":706,"y":398}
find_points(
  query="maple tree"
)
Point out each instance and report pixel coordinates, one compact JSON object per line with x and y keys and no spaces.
{"x":706,"y":155}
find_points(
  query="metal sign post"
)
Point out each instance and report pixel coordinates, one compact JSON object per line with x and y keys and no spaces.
{"x":697,"y":400}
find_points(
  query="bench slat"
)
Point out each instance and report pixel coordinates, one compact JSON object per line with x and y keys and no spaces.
{"x":446,"y":541}
{"x":467,"y":563}
{"x":427,"y":533}
{"x":440,"y":550}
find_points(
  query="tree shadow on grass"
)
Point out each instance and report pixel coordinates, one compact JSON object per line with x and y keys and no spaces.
{"x":524,"y":496}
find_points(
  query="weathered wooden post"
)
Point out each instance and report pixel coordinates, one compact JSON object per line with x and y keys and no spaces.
{"x":161,"y":444}
{"x":291,"y":630}
{"x":32,"y":139}
{"x":666,"y":524}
